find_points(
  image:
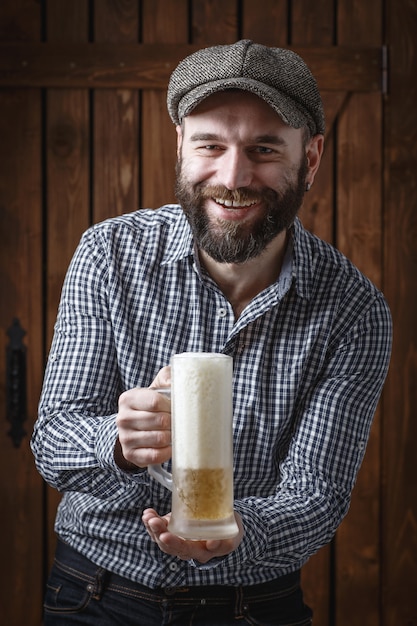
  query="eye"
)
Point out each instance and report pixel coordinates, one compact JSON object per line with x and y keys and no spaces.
{"x":265,"y":154}
{"x":263,"y":150}
{"x":209,"y":147}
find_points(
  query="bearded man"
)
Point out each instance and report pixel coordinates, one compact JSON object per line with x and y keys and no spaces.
{"x":230,"y":270}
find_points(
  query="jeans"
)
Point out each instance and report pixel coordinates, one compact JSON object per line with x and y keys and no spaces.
{"x":80,"y":592}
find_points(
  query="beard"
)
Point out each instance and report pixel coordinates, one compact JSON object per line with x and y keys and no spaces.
{"x":237,"y":242}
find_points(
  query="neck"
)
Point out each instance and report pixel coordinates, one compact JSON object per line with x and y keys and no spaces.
{"x":241,"y":282}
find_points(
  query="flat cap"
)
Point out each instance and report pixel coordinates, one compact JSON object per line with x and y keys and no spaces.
{"x":277,"y":75}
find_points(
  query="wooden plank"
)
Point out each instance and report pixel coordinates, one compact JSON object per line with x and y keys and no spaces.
{"x":399,"y":458}
{"x":214,"y":22}
{"x":268,"y":26}
{"x":360,"y":143}
{"x":148,"y":66}
{"x":67,"y":162}
{"x":317,"y":212}
{"x":162,"y":22}
{"x":67,"y":184}
{"x":116,"y":123}
{"x":359,"y":236}
{"x":21,"y":585}
{"x":313,"y":24}
{"x":19,"y":21}
{"x":21,"y":288}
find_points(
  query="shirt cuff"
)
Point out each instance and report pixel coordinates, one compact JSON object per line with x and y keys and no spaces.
{"x":105,"y":441}
{"x":253,"y":545}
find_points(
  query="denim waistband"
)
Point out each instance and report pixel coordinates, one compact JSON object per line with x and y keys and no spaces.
{"x":83,"y":568}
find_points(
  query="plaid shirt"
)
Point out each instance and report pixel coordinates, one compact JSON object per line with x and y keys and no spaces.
{"x":310,"y":354}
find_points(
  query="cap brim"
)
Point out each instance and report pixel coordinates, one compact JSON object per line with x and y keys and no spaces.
{"x":288,"y":109}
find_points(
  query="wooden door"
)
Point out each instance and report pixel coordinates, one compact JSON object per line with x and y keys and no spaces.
{"x":84,"y":135}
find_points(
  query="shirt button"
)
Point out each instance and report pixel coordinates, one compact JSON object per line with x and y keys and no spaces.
{"x":173,"y":567}
{"x":222,"y":312}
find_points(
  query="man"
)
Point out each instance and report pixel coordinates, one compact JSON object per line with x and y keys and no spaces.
{"x":229,"y":270}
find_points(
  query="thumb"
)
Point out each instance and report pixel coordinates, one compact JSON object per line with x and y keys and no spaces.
{"x":162,"y":379}
{"x":213,"y":544}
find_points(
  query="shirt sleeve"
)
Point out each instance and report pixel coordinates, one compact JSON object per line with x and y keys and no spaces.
{"x":327,"y":446}
{"x":74,"y":436}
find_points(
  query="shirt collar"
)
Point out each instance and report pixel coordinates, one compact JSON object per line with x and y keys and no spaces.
{"x":180,"y":243}
{"x":302,"y":262}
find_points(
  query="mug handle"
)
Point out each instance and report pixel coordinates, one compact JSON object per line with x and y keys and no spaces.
{"x":157,"y":471}
{"x":161,"y":475}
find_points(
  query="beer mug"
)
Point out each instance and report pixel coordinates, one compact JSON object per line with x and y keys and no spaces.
{"x":202,"y":447}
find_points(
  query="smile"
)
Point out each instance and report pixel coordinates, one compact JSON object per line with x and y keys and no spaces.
{"x":234,"y":204}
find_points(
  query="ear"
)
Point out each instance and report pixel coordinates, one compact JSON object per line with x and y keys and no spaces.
{"x":314,"y":151}
{"x":179,"y":141}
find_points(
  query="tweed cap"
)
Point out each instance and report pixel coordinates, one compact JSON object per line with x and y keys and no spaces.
{"x":277,"y":75}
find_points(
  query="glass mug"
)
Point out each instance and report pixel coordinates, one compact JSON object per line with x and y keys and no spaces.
{"x":202,"y":447}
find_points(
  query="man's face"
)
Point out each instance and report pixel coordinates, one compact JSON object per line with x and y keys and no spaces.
{"x":241,"y":175}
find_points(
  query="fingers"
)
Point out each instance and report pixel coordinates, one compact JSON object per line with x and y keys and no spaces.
{"x":144,"y":426}
{"x":154,"y":524}
{"x":157,"y":528}
{"x":146,"y":399}
{"x":163,"y":378}
{"x":201,"y":551}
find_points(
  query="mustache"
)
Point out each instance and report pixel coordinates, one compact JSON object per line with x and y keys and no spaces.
{"x":242,"y":194}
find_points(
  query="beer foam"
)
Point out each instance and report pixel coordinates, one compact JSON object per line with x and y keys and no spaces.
{"x":202,"y":407}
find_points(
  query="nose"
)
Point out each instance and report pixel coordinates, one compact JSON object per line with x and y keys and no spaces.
{"x":235,"y":170}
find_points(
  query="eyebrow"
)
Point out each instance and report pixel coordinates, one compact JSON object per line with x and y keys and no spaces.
{"x":204,"y":137}
{"x":270,"y":139}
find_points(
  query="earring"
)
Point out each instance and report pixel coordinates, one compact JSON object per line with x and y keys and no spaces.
{"x":308,"y":186}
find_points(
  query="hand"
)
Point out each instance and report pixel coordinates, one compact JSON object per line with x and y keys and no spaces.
{"x":144,"y":425}
{"x":184,"y":549}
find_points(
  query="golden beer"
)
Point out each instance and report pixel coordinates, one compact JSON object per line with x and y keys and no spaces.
{"x":203,"y":494}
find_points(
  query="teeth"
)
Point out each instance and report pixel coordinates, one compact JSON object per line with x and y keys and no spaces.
{"x":235,"y":203}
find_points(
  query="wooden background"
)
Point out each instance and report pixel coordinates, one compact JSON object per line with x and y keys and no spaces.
{"x":84,"y":135}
